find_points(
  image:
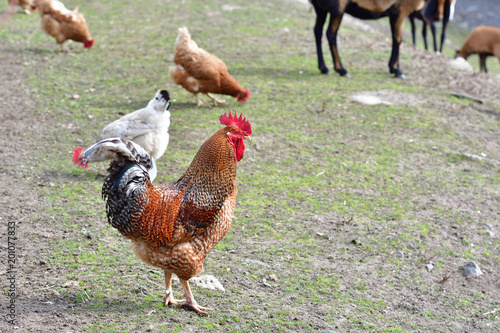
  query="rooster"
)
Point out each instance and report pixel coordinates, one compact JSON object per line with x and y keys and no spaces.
{"x":63,"y":24}
{"x":198,"y":71}
{"x":147,"y":127}
{"x":174,"y":226}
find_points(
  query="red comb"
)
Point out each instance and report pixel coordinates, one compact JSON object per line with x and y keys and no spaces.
{"x":240,"y":122}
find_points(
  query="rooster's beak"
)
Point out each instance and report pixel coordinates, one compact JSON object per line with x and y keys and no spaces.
{"x":247,"y":138}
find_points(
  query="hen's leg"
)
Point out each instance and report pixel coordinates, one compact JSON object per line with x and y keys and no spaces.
{"x":63,"y":49}
{"x":215,"y":100}
{"x":200,"y":103}
{"x":169,"y":296}
{"x":190,"y":302}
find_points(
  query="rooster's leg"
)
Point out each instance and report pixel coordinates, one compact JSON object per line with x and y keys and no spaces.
{"x":169,"y":296}
{"x":215,"y":100}
{"x":190,"y":302}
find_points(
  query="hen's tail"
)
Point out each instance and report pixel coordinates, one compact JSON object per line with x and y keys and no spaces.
{"x":184,"y":33}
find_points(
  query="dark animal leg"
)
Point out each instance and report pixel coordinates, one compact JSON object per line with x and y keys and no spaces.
{"x":424,"y":34}
{"x":318,"y":33}
{"x":397,"y":23}
{"x":412,"y":23}
{"x":482,"y":62}
{"x":331,"y":35}
{"x":428,"y":16}
{"x":446,"y":19}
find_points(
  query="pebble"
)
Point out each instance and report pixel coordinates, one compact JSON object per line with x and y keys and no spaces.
{"x":254,"y":262}
{"x":489,"y":230}
{"x":86,"y":233}
{"x":207,"y":282}
{"x":429,"y":266}
{"x":471,"y":269}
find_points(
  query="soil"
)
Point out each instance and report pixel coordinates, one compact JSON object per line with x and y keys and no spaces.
{"x":21,"y":130}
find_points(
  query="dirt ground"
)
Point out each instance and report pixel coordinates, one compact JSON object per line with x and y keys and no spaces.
{"x":21,"y":130}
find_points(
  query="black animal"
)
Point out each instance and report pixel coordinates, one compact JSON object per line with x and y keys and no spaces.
{"x":433,"y":11}
{"x":396,"y":10}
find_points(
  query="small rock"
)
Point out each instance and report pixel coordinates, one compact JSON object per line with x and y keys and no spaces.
{"x":429,"y":266}
{"x":86,"y":233}
{"x":273,"y":277}
{"x":264,"y":282}
{"x":471,"y":269}
{"x":207,"y":282}
{"x":473,"y":157}
{"x":461,"y":64}
{"x":71,"y":284}
{"x":489,"y":226}
{"x":490,"y":233}
{"x":255,"y":262}
{"x":230,"y":8}
{"x":369,"y":99}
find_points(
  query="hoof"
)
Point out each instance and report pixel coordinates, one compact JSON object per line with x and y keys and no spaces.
{"x":401,"y":76}
{"x":343,"y":72}
{"x":325,"y":71}
{"x":397,"y":73}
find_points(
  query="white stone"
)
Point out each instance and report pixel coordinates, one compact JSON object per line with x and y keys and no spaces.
{"x":207,"y":282}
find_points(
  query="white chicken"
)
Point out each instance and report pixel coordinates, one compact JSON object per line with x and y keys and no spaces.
{"x":147,"y":127}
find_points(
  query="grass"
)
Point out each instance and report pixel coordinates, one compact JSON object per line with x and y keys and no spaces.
{"x":339,"y":201}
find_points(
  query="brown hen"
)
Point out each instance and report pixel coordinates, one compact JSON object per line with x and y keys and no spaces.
{"x":63,"y":24}
{"x":199,"y":71}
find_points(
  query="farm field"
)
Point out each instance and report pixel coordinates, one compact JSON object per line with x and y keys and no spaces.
{"x":349,"y":217}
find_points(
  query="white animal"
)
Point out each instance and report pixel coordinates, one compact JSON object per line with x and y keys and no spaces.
{"x":146,"y":127}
